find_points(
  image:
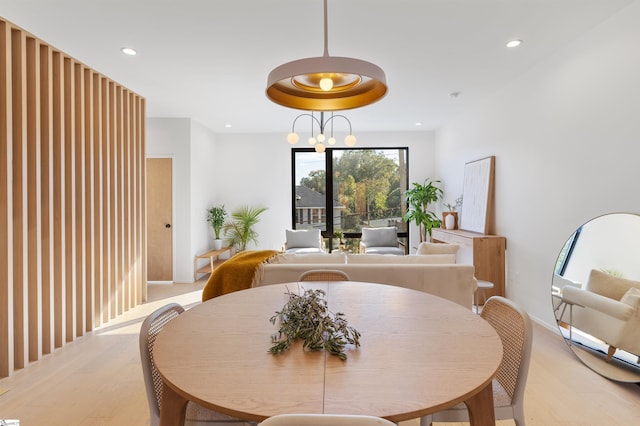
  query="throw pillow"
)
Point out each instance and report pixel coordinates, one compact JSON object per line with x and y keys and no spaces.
{"x":303,"y":238}
{"x":608,"y":285}
{"x":632,"y":297}
{"x":380,"y":237}
{"x":312,"y":258}
{"x":437,"y":248}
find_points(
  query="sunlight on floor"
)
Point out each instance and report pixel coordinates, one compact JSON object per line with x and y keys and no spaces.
{"x":159,"y":295}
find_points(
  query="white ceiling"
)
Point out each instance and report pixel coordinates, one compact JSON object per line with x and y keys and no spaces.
{"x":209,"y":59}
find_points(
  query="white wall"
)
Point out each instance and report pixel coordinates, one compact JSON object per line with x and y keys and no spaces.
{"x":248,"y":169}
{"x":566,"y":137}
{"x":203,"y":187}
{"x":608,"y":242}
{"x":256,"y":171}
{"x":170,"y":137}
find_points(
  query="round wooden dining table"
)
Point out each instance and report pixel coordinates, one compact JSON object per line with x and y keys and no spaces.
{"x":418,"y":354}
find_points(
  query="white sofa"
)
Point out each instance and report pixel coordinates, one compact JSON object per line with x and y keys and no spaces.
{"x":608,"y":308}
{"x":434,"y":274}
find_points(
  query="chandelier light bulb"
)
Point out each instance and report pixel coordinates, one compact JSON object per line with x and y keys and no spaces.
{"x":292,"y":138}
{"x":326,"y":84}
{"x":319,"y":125}
{"x":350,"y":140}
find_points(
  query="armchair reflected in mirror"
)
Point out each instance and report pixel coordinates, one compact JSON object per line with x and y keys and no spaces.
{"x":596,"y":295}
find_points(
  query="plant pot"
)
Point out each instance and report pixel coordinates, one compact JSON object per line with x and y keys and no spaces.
{"x":450,"y":220}
{"x":217,"y":244}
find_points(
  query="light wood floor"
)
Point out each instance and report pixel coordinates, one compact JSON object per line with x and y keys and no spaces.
{"x":97,"y":380}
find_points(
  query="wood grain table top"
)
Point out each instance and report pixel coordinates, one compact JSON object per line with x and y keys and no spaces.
{"x":419,"y":354}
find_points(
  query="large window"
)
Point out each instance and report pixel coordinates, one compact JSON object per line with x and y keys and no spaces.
{"x":342,"y":190}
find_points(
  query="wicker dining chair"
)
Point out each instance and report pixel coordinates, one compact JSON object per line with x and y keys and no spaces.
{"x":324,"y":275}
{"x":195,"y":414}
{"x":324,"y":420}
{"x":513,"y":326}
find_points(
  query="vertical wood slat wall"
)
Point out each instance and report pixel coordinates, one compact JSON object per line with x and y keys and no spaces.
{"x":72,"y":200}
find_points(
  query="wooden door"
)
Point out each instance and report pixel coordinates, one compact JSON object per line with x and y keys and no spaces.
{"x":159,"y":220}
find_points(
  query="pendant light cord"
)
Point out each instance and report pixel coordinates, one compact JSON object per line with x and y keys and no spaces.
{"x":326,"y":31}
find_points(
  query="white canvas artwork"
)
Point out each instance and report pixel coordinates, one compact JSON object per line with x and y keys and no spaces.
{"x":476,"y":194}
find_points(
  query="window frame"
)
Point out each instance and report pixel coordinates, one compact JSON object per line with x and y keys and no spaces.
{"x":328,"y":233}
{"x":567,"y":251}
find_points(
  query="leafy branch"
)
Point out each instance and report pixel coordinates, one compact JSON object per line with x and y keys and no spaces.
{"x":307,"y":317}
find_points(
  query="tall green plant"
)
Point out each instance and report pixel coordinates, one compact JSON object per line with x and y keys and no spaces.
{"x":215,"y":217}
{"x":419,"y":197}
{"x":239,"y":231}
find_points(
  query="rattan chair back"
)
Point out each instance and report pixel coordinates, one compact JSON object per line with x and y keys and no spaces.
{"x":324,"y":275}
{"x":195,"y":414}
{"x":151,"y":326}
{"x":513,"y":326}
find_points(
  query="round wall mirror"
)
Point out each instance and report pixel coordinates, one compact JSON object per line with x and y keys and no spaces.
{"x":596,"y":295}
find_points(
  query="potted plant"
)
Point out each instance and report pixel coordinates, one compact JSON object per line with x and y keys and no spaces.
{"x":450,"y":215}
{"x":239,"y":231}
{"x":419,"y":197}
{"x":216,"y":216}
{"x":339,"y":235}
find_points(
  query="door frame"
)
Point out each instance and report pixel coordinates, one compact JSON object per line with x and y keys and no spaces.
{"x":173,"y":217}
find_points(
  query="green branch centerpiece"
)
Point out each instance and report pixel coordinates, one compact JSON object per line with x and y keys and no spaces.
{"x":307,"y":317}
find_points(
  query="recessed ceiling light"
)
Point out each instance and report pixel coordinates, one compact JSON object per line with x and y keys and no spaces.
{"x":129,"y":51}
{"x":227,"y":125}
{"x":514,"y":43}
{"x":418,"y":124}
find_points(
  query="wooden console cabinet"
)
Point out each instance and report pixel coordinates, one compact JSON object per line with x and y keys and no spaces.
{"x":487,"y":254}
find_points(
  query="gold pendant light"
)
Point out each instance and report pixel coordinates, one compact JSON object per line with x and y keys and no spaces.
{"x":326,"y":83}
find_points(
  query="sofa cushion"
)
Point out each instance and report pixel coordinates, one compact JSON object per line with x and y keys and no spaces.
{"x":385,"y":250}
{"x":312,"y":258}
{"x":609,"y":285}
{"x":303,"y":238}
{"x":380,"y":237}
{"x":304,"y":250}
{"x":632,"y":297}
{"x":437,"y":248}
{"x":379,"y":259}
{"x":454,"y":282}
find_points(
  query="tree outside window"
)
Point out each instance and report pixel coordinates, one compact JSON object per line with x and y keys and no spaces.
{"x":344,"y":190}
